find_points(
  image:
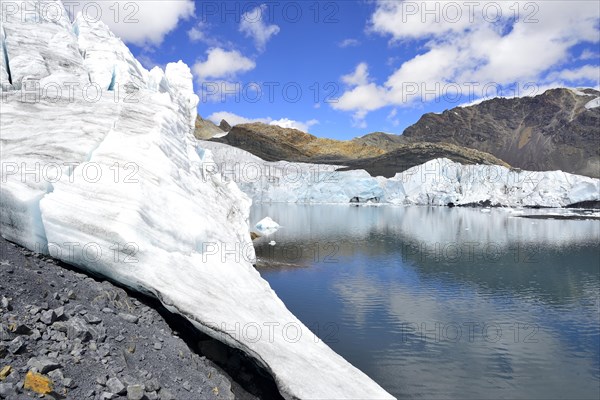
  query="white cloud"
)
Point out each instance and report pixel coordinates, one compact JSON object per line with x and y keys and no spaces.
{"x":589,"y":55}
{"x":234,"y":119}
{"x":195,"y":34}
{"x":141,"y":22}
{"x":253,"y":25}
{"x":222,"y":63}
{"x":392,"y":117}
{"x":198,"y":33}
{"x":360,"y":76}
{"x":464,"y":47}
{"x":349,"y":43}
{"x":575,"y":75}
{"x":290,"y":123}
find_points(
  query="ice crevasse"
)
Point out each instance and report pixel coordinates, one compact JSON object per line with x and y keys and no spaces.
{"x":114,"y":184}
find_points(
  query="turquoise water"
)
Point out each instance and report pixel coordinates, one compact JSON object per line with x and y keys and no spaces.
{"x":445,"y":302}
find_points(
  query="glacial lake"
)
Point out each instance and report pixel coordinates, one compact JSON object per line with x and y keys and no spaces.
{"x":445,"y":302}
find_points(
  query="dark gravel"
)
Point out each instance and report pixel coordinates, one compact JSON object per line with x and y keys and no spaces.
{"x":94,"y":340}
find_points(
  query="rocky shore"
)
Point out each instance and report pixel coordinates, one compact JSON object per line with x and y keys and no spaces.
{"x":66,"y":335}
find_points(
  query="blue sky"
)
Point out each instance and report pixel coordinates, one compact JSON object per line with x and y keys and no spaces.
{"x":364,"y":66}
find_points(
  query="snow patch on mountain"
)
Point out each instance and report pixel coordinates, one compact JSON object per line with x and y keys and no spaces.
{"x":593,"y":104}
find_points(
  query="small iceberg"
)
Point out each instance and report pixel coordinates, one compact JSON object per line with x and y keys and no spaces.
{"x":267,"y":226}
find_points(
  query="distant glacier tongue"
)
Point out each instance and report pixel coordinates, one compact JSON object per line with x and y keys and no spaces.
{"x":100,"y":169}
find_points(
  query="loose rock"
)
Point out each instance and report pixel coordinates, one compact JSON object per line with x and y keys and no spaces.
{"x":115,"y":386}
{"x":135,"y":392}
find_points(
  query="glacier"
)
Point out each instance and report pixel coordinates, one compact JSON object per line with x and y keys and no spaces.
{"x":438,"y":182}
{"x":100,"y":170}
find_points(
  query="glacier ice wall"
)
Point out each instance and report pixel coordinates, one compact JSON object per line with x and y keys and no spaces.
{"x":437,"y":182}
{"x":100,"y":169}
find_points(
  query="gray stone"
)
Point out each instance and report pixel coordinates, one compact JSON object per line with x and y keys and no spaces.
{"x":60,"y":326}
{"x":7,"y":389}
{"x":16,"y":345}
{"x":129,"y":318}
{"x":44,"y":365}
{"x":152,"y":385}
{"x":107,"y":396}
{"x":78,"y":329}
{"x":69,"y":383}
{"x":92,"y":319}
{"x":36,"y":335}
{"x":60,"y":312}
{"x":157,"y":346}
{"x":166,"y":395}
{"x":135,"y":392}
{"x":56,"y":375}
{"x":5,"y":303}
{"x":152,"y":396}
{"x":48,"y":317}
{"x":115,"y":386}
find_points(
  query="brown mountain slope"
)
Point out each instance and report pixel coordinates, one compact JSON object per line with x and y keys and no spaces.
{"x":381,"y":140}
{"x":409,"y":155}
{"x":550,"y":131}
{"x":273,"y":143}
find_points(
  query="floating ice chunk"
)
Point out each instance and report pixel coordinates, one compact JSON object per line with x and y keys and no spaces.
{"x":267,"y":226}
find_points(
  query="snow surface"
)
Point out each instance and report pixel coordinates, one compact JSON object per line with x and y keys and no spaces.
{"x":437,"y":182}
{"x":593,"y":104}
{"x":267,"y":226}
{"x":118,"y":187}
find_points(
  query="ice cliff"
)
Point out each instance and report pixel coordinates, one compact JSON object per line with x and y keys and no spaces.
{"x":100,"y":169}
{"x":438,"y":182}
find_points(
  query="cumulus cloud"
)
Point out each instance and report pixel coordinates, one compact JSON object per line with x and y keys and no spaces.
{"x":197,"y":33}
{"x":141,"y":22}
{"x":222,"y":63}
{"x":360,"y":76}
{"x":234,"y":119}
{"x":290,"y":123}
{"x":349,"y":43}
{"x":582,"y":74}
{"x":466,"y":45}
{"x":253,"y":25}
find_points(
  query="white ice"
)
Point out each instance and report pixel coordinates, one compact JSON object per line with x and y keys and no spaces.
{"x":437,"y":182}
{"x":593,"y":104}
{"x":267,"y":226}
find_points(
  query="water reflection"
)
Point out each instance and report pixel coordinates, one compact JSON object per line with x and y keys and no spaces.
{"x":445,"y":303}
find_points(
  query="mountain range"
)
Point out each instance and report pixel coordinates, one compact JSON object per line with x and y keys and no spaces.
{"x":558,"y":129}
